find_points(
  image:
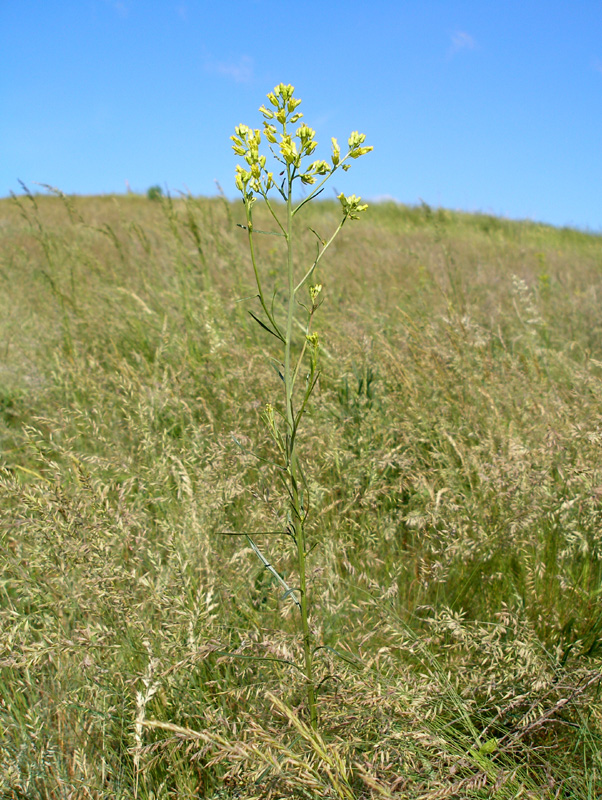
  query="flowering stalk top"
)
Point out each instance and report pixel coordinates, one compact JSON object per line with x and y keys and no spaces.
{"x":291,"y":148}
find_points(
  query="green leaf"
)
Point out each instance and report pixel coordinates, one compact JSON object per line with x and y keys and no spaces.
{"x":265,"y":327}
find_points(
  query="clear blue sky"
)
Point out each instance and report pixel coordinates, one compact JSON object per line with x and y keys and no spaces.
{"x":475,"y":105}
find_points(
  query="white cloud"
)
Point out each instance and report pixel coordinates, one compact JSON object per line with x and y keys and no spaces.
{"x":240,"y":71}
{"x":121,"y":8}
{"x":460,"y":40}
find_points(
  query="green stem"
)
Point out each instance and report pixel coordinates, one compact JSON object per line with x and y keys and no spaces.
{"x":316,"y":190}
{"x":256,"y":271}
{"x":297,"y":518}
{"x":272,"y":212}
{"x":325,"y":247}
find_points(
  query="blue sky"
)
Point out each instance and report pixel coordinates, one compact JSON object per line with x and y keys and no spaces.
{"x":476,"y":105}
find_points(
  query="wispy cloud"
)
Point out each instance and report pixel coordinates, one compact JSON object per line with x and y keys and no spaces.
{"x":121,"y":8}
{"x":240,"y":71}
{"x":460,"y":40}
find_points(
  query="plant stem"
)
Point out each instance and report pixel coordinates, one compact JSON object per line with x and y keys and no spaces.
{"x":297,"y":517}
{"x":256,"y":271}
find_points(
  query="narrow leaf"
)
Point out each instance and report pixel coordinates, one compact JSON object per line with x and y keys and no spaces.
{"x":265,"y":327}
{"x":274,"y":571}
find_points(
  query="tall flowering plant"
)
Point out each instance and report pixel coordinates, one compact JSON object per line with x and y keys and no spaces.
{"x":292,"y":148}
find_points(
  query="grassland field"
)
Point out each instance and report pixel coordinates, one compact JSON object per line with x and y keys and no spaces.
{"x":453,"y":453}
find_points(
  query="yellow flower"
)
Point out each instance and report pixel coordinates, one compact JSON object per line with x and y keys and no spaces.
{"x":242,"y":179}
{"x":305,"y":132}
{"x":320,"y":167}
{"x":314,"y":291}
{"x":242,"y":130}
{"x":355,"y":140}
{"x":289,"y":150}
{"x":270,"y":132}
{"x":360,"y":151}
{"x":351,"y":205}
{"x":336,"y":152}
{"x":285,"y":91}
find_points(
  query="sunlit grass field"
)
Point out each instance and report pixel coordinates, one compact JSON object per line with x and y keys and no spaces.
{"x":453,"y":451}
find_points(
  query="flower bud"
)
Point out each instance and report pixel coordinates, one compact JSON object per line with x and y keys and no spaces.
{"x":336,"y":152}
{"x":242,"y":130}
{"x":351,"y":205}
{"x":285,"y":91}
{"x":269,"y":413}
{"x":289,"y":150}
{"x":242,"y":179}
{"x":355,"y":139}
{"x":305,"y":132}
{"x":320,"y":167}
{"x":270,"y":132}
{"x":314,"y":291}
{"x":360,"y":151}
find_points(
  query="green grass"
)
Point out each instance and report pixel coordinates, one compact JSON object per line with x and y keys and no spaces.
{"x":454,"y":446}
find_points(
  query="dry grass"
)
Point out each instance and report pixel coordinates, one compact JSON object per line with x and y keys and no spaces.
{"x":454,"y":445}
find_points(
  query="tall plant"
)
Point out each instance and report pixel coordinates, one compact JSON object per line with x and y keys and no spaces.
{"x":298,"y":361}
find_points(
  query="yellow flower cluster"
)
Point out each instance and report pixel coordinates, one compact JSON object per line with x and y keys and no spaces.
{"x":351,"y":205}
{"x":291,"y":150}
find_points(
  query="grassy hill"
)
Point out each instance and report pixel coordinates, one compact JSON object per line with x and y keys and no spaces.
{"x":453,"y":452}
